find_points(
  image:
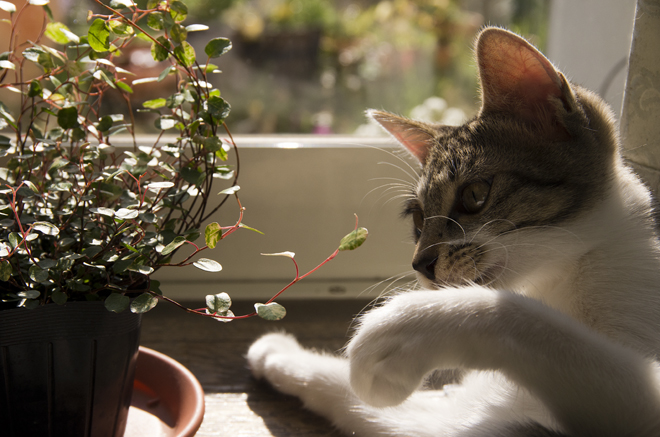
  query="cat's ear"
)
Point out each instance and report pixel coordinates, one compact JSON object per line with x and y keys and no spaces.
{"x":517,"y":79}
{"x":416,"y":136}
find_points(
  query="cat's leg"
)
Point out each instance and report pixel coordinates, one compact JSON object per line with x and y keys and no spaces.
{"x":321,"y":381}
{"x":590,"y":384}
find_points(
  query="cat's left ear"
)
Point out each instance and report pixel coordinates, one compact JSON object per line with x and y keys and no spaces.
{"x":416,"y":136}
{"x":518,"y":80}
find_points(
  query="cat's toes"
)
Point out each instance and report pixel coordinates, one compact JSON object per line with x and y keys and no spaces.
{"x":381,"y":372}
{"x":269,"y":345}
{"x":378,"y":388}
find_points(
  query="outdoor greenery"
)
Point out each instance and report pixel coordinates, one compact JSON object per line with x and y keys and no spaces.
{"x":81,"y":219}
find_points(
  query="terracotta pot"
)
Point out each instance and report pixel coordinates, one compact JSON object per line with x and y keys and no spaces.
{"x":167,"y":399}
{"x":66,"y":370}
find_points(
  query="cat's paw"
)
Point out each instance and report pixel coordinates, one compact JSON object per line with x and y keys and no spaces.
{"x":268,"y":346}
{"x":386,"y":364}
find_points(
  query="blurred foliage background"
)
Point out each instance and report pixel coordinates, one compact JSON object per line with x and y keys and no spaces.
{"x":314,"y":66}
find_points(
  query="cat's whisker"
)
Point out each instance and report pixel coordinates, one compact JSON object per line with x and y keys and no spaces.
{"x":390,"y":284}
{"x":451,"y":220}
{"x":491,"y":222}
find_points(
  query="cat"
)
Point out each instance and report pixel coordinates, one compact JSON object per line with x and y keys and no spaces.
{"x":540,"y":265}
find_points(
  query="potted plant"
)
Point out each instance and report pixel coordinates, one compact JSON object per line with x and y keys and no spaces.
{"x":84,"y":223}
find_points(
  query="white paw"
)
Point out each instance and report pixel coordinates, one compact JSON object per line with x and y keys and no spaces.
{"x":386,"y":363}
{"x":268,"y":346}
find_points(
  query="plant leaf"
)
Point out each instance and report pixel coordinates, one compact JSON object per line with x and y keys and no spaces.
{"x":218,"y":107}
{"x":155,"y":20}
{"x":103,"y":211}
{"x":161,"y":51}
{"x":218,"y":303}
{"x":5,"y":270}
{"x":185,"y":53}
{"x":231,"y":190}
{"x":117,"y":302}
{"x":196,"y":27}
{"x":98,"y":36}
{"x":126,"y":214}
{"x":37,"y":274}
{"x":208,"y":265}
{"x":272,"y":311}
{"x":67,"y":118}
{"x":353,"y":240}
{"x":163,"y":74}
{"x":7,"y":7}
{"x":60,"y":33}
{"x":46,"y":228}
{"x":178,"y":11}
{"x":35,"y":89}
{"x":155,"y":103}
{"x":286,"y":254}
{"x":174,"y":245}
{"x":212,"y":234}
{"x":28,"y":294}
{"x":59,"y":297}
{"x":217,"y":47}
{"x":124,"y":86}
{"x":143,"y":303}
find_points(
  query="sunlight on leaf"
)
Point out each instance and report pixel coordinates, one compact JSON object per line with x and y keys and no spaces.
{"x":212,"y":234}
{"x":208,"y":265}
{"x":354,"y":239}
{"x":272,"y":311}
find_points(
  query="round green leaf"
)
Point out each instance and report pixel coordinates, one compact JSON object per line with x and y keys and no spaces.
{"x":98,"y":36}
{"x":217,"y":47}
{"x":67,"y":118}
{"x":35,"y":89}
{"x":143,"y":303}
{"x":218,"y":303}
{"x":208,"y":265}
{"x":178,"y":33}
{"x":185,"y":53}
{"x":272,"y":311}
{"x":117,"y":302}
{"x":218,"y":107}
{"x":155,"y":20}
{"x":59,"y":297}
{"x":105,"y":123}
{"x":37,"y":274}
{"x":212,"y":234}
{"x":178,"y":11}
{"x":160,"y":50}
{"x":354,"y":239}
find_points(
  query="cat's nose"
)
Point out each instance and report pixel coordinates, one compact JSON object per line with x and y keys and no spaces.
{"x":426,"y":266}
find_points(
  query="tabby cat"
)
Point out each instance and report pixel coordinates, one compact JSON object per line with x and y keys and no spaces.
{"x":537,"y":252}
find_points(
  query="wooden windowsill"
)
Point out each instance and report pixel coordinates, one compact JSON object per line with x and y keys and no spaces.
{"x":236,"y":404}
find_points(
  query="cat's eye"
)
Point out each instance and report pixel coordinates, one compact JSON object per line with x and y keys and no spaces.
{"x":415,"y":210}
{"x":474,"y":196}
{"x":418,"y":222}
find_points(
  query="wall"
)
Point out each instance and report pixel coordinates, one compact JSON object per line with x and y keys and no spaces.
{"x":304,"y":200}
